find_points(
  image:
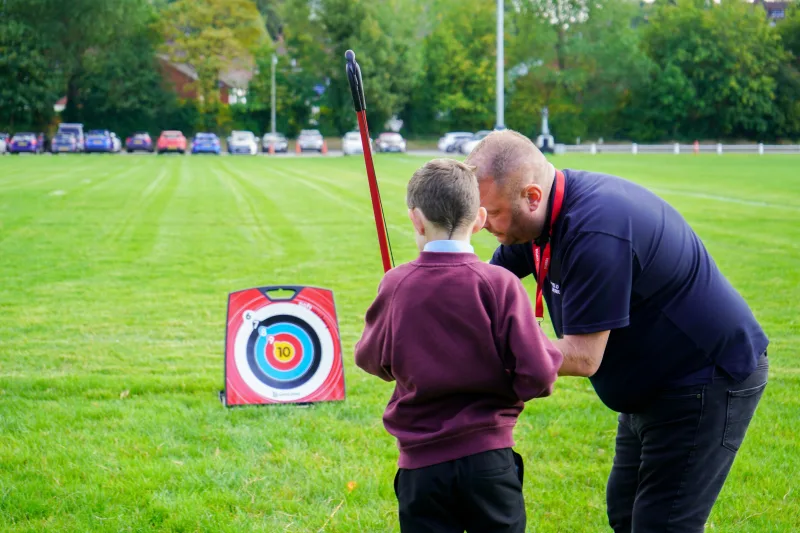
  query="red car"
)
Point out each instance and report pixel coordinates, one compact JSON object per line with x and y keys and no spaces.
{"x":171,"y":141}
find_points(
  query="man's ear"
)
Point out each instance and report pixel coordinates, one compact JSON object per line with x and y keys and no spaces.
{"x":534,"y":195}
{"x":417,"y":219}
{"x":480,"y":220}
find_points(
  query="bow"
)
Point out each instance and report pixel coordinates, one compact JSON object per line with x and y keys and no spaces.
{"x":357,"y":90}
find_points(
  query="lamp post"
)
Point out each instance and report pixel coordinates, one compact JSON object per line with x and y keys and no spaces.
{"x":272,"y":114}
{"x":500,"y":67}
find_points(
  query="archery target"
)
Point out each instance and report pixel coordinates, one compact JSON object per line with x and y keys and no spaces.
{"x":282,"y":351}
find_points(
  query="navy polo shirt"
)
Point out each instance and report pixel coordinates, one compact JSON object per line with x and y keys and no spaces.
{"x":624,"y":260}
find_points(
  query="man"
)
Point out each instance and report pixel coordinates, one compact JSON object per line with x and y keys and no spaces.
{"x":641,"y":309}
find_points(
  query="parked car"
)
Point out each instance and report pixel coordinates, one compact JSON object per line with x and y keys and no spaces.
{"x":2,"y":146}
{"x":206,"y":143}
{"x":171,"y":141}
{"x":468,"y":146}
{"x":139,"y":141}
{"x":242,"y":142}
{"x":278,"y":140}
{"x":102,"y":141}
{"x":310,"y":140}
{"x":76,"y":130}
{"x":64,"y":142}
{"x":24,"y":142}
{"x":351,"y":143}
{"x":6,"y":137}
{"x":390,"y":142}
{"x":449,"y":142}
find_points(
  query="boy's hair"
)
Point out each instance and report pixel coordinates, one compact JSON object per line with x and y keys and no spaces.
{"x":446,"y":191}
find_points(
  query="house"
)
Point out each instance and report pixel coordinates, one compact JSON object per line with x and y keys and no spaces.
{"x":181,"y":77}
{"x":776,"y":11}
{"x":232,"y":83}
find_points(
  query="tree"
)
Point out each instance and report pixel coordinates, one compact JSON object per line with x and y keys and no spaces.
{"x":787,"y":98}
{"x":122,"y":85}
{"x":455,"y":88}
{"x":29,"y":88}
{"x":716,"y":70}
{"x":581,"y":59}
{"x":212,"y":36}
{"x":67,"y":32}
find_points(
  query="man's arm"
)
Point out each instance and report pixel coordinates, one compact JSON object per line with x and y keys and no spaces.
{"x":513,"y":258}
{"x":582,"y":353}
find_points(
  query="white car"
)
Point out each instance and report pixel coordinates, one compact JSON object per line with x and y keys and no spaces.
{"x":2,"y":146}
{"x":449,"y":143}
{"x":277,"y":140}
{"x":242,"y":142}
{"x":390,"y":142}
{"x":351,"y":143}
{"x":468,"y":146}
{"x":310,"y":140}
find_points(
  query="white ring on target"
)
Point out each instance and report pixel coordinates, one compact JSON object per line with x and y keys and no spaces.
{"x":326,"y":355}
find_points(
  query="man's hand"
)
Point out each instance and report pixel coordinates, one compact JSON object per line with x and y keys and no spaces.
{"x":582,"y":353}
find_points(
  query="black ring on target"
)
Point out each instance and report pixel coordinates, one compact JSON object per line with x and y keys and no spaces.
{"x":251,"y":352}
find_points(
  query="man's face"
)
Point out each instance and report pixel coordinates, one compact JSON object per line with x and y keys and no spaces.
{"x":508,"y":214}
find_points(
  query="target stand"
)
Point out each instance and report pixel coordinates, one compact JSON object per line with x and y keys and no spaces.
{"x":283,"y":350}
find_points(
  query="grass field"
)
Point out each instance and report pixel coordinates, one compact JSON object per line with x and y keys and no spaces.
{"x":114,"y":274}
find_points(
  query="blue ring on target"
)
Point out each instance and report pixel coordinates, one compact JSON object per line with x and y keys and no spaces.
{"x":312,"y":352}
{"x":261,"y":351}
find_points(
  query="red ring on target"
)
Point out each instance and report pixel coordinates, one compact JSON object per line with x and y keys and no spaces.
{"x":284,"y":338}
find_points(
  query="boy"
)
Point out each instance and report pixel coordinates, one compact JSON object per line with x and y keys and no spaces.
{"x":455,"y":335}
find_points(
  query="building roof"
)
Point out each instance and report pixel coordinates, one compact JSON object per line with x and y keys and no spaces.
{"x":236,"y":76}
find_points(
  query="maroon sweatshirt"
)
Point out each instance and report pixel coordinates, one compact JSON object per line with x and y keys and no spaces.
{"x":460,"y":338}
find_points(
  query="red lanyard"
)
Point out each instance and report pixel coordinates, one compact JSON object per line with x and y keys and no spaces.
{"x":543,"y":266}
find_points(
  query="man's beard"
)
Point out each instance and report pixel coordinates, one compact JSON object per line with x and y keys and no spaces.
{"x":521,"y":230}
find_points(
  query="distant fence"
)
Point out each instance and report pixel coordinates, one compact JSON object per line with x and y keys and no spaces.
{"x":677,"y":148}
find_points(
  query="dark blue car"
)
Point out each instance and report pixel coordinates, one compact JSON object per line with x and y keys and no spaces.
{"x":102,"y":141}
{"x":205,"y":143}
{"x":25,"y":142}
{"x":64,"y":143}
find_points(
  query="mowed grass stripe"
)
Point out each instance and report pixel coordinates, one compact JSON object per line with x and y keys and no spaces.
{"x":112,"y":348}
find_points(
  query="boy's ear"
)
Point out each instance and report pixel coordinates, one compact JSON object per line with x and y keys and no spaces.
{"x":480,"y":220}
{"x":417,"y":219}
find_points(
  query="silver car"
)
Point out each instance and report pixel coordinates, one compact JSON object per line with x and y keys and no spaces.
{"x":310,"y":140}
{"x":277,"y":140}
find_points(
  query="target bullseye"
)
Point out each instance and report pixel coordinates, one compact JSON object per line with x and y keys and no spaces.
{"x":284,"y":351}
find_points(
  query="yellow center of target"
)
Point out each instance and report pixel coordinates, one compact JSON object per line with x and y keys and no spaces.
{"x":284,"y":351}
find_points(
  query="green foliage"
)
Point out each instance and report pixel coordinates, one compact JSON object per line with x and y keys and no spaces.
{"x":455,"y":87}
{"x":582,"y":60}
{"x":28,"y":89}
{"x":617,"y":69}
{"x":212,"y":36}
{"x":716,"y":70}
{"x":121,"y":84}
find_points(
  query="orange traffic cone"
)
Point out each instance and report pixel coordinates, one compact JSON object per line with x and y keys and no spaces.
{"x":696,"y":147}
{"x":324,"y":147}
{"x":271,"y":149}
{"x":296,"y":147}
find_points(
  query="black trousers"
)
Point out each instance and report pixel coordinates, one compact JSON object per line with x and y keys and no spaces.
{"x":672,"y":460}
{"x":480,"y":493}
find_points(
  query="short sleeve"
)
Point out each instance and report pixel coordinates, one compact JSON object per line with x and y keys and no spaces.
{"x":513,"y":258}
{"x":596,"y":284}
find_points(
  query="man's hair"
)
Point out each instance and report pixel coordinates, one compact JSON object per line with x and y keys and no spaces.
{"x":501,"y":156}
{"x":446,"y":191}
